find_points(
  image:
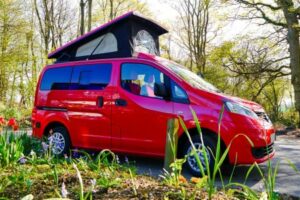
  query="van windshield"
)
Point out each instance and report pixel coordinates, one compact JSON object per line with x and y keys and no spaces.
{"x":190,"y":77}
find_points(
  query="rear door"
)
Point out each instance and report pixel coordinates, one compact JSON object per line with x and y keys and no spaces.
{"x":89,"y":105}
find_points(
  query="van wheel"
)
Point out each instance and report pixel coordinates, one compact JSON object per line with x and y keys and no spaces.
{"x":191,"y":161}
{"x":59,"y":141}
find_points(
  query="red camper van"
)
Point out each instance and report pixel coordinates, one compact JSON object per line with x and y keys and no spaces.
{"x":100,"y":95}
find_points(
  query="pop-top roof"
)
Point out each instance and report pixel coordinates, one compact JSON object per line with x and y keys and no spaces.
{"x":120,"y":37}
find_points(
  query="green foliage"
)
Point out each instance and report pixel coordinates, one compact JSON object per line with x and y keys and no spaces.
{"x":288,"y":117}
{"x":14,"y":147}
{"x":30,"y":144}
{"x":102,"y":172}
{"x":268,"y":179}
{"x":219,"y":156}
{"x":8,"y":113}
{"x":21,"y":115}
{"x":13,"y":37}
{"x":174,"y":177}
{"x":250,"y":70}
{"x":105,"y":181}
{"x":215,"y":72}
{"x":11,"y":149}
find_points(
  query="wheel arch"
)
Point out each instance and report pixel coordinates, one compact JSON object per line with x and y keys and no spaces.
{"x":206,"y":132}
{"x":52,"y":124}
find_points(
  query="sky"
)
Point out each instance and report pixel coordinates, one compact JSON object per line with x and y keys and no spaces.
{"x":166,"y":14}
{"x":163,"y":11}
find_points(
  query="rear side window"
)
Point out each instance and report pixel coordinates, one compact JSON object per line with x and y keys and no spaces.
{"x":56,"y":79}
{"x":91,"y":77}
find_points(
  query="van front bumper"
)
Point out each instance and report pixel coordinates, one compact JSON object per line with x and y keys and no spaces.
{"x":260,"y":149}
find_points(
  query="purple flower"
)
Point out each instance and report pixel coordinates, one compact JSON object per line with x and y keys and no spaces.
{"x":126,"y":160}
{"x":117,"y":159}
{"x":45,"y":146}
{"x":50,"y":139}
{"x":64,"y":191}
{"x":75,"y":153}
{"x":93,"y":184}
{"x":22,"y":160}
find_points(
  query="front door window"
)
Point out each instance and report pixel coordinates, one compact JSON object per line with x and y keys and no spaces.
{"x":139,"y":79}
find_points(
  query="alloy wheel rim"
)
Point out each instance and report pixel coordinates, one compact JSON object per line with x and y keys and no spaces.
{"x":57,"y":143}
{"x":192,"y":160}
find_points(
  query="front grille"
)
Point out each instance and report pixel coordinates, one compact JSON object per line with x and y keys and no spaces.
{"x":263,"y":116}
{"x":261,"y":152}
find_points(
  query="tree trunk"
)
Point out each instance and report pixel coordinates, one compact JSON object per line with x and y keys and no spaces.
{"x":3,"y":58}
{"x":294,"y":49}
{"x":13,"y":87}
{"x":82,"y":17}
{"x":111,"y":14}
{"x":90,"y":15}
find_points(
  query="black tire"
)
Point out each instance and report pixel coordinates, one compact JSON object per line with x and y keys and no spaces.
{"x":210,"y":145}
{"x":62,"y":132}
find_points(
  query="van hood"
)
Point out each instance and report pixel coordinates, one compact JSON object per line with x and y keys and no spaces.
{"x":224,"y":97}
{"x":249,"y":104}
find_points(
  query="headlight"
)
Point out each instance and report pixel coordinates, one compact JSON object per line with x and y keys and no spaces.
{"x":239,"y":109}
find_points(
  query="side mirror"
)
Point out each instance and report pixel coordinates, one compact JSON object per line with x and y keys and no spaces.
{"x":160,"y":90}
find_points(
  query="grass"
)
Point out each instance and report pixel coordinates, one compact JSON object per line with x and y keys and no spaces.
{"x":28,"y":169}
{"x":219,"y":156}
{"x":88,"y":177}
{"x":209,"y":176}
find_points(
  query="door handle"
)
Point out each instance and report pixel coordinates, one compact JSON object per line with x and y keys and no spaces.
{"x":100,"y":101}
{"x":120,"y":102}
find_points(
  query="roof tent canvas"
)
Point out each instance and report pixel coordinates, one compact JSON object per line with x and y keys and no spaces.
{"x":118,"y":38}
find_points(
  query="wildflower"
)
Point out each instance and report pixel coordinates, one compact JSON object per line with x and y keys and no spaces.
{"x":195,"y":180}
{"x":2,"y":121}
{"x":75,"y":153}
{"x":64,"y":191}
{"x":126,"y":160}
{"x":117,"y":159}
{"x":93,"y":185}
{"x":45,"y":146}
{"x":22,"y":160}
{"x":32,"y":153}
{"x":12,"y":122}
{"x":182,"y":179}
{"x":93,"y":182}
{"x":50,"y":139}
{"x":15,"y":127}
{"x":28,"y":197}
{"x":263,"y":196}
{"x":80,"y":180}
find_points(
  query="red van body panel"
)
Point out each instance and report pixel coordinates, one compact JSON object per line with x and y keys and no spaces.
{"x":139,"y":127}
